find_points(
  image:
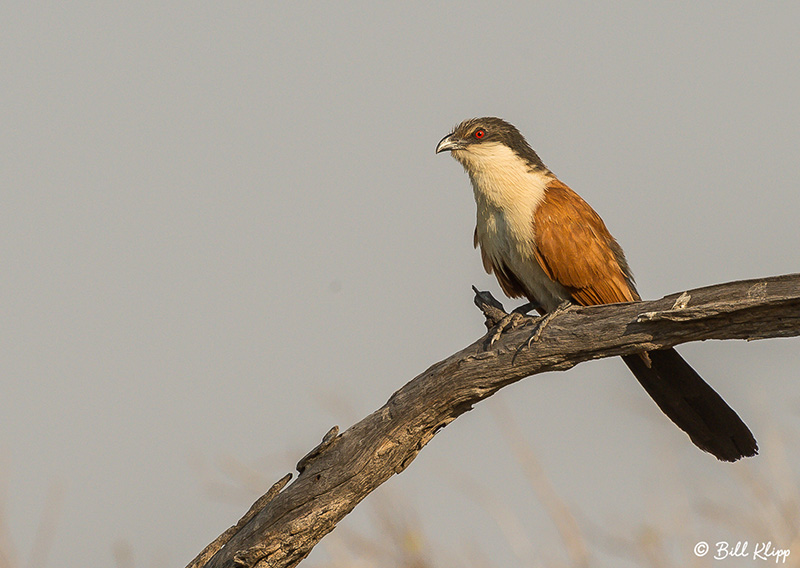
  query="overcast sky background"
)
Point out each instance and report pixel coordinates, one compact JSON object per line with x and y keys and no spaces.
{"x":223,"y":229}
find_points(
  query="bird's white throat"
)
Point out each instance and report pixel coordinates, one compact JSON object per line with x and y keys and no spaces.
{"x":507,"y":192}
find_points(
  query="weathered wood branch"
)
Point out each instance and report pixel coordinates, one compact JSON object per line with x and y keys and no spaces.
{"x":283,"y":527}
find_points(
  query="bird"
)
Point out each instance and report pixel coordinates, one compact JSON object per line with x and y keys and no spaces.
{"x":543,"y":242}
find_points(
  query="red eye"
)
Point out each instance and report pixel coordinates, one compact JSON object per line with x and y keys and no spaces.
{"x":480,"y":133}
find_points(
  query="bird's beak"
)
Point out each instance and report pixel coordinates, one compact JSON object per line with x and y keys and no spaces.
{"x":449,"y":142}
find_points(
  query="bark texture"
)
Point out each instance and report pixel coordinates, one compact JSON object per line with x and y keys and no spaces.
{"x":283,"y":526}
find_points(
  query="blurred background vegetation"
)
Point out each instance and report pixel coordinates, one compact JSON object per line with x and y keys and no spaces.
{"x":387,"y":531}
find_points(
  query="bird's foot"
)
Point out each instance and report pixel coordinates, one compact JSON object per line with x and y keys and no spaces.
{"x":545,"y":320}
{"x":510,"y":321}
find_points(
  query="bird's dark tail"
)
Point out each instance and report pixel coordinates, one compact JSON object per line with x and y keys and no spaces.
{"x":693,"y":405}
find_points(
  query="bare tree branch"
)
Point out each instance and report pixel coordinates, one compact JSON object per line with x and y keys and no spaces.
{"x":283,"y":527}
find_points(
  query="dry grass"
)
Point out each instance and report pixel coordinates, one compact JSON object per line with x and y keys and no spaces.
{"x":767,"y":508}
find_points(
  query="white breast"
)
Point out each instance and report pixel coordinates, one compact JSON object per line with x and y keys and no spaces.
{"x":507,"y":192}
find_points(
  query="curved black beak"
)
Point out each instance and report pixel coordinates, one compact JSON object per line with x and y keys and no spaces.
{"x":448,"y":143}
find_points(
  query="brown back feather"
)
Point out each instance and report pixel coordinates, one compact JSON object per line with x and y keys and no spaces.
{"x":575,"y":249}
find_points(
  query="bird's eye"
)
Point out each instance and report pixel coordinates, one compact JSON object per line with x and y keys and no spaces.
{"x":480,"y":133}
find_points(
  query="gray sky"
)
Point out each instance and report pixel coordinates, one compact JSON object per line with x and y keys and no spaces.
{"x":224,"y":229}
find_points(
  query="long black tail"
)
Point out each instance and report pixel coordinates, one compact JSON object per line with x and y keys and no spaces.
{"x":693,"y":405}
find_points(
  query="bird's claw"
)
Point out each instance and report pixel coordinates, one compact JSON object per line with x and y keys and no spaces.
{"x":543,"y":321}
{"x":509,"y":321}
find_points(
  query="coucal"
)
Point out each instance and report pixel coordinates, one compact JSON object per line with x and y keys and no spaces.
{"x":543,"y":242}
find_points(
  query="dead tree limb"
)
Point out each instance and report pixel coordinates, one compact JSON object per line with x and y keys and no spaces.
{"x":283,"y":527}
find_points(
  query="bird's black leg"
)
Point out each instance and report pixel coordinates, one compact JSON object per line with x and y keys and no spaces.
{"x":512,"y":320}
{"x":525,"y":308}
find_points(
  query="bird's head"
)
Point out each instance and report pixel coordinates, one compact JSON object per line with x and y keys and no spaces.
{"x":478,"y":143}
